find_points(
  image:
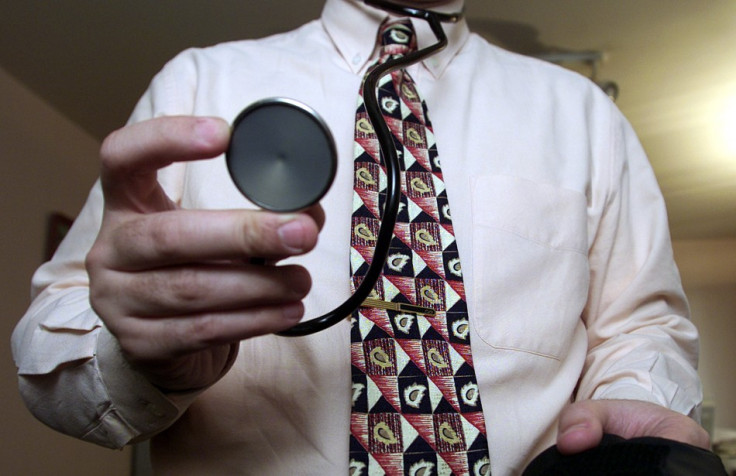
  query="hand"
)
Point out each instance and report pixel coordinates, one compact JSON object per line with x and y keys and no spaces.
{"x":582,"y":424}
{"x":177,"y":287}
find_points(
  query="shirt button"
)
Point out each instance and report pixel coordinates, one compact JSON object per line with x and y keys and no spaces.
{"x":357,"y":59}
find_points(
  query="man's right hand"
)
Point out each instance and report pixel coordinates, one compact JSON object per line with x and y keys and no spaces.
{"x":177,"y":287}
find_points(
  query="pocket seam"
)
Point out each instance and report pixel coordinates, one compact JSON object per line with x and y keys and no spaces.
{"x":536,"y":242}
{"x":519,"y":349}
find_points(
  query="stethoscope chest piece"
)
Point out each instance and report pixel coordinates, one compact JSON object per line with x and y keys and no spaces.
{"x":282,"y":156}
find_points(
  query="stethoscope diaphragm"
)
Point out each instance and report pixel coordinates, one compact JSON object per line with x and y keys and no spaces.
{"x":281,"y":156}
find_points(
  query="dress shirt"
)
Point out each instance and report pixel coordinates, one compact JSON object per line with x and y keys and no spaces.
{"x":571,"y":286}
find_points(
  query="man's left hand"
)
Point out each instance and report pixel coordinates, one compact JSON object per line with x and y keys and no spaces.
{"x":582,"y":424}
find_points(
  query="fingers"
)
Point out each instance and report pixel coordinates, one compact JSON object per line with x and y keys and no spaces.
{"x":167,"y":312}
{"x":174,"y":291}
{"x":177,"y":287}
{"x":185,"y":335}
{"x":155,"y":277}
{"x":191,"y":372}
{"x":317,"y":214}
{"x":131,"y":156}
{"x":580,"y":427}
{"x":582,"y":424}
{"x":150,"y":145}
{"x":150,"y":241}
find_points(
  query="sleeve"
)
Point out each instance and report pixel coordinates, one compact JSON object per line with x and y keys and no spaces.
{"x":71,"y":373}
{"x":641,"y":343}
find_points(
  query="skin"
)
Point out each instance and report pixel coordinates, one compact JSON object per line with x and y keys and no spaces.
{"x":176,"y":286}
{"x":583,"y":423}
{"x":178,"y":291}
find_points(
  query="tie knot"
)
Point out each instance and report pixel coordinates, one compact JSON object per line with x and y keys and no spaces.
{"x":397,"y":38}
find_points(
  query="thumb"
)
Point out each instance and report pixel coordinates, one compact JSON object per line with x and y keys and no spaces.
{"x":582,"y":424}
{"x":581,"y":427}
{"x":130,"y":157}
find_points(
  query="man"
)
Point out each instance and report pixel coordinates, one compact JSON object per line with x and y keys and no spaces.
{"x":572,"y":292}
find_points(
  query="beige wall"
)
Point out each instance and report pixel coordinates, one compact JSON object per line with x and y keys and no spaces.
{"x":708,"y":269}
{"x":46,"y":164}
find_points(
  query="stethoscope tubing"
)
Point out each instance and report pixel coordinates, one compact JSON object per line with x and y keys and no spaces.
{"x":390,"y":159}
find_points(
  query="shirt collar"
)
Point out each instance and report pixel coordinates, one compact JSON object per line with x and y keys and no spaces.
{"x":353,"y":27}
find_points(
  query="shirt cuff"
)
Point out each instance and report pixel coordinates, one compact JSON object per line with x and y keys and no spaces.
{"x":138,"y":409}
{"x":626,"y":392}
{"x":685,"y":406}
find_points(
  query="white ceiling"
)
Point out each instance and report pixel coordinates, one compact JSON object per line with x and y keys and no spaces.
{"x":674,"y":61}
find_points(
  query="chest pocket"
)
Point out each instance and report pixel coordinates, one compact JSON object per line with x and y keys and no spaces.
{"x":530,"y":264}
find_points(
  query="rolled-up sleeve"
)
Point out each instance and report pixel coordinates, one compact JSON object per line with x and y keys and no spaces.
{"x":72,"y":375}
{"x":642,"y":344}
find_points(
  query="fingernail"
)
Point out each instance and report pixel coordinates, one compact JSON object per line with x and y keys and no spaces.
{"x":575,"y":428}
{"x":205,"y":127}
{"x":293,"y":311}
{"x":209,"y":130}
{"x":291,"y":234}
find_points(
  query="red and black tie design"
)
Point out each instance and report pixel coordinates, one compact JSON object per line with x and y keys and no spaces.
{"x":416,"y":406}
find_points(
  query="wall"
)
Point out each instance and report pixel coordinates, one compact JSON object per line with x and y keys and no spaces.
{"x":46,"y":164}
{"x":708,"y":269}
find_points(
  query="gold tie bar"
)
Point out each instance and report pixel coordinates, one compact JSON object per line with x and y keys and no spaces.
{"x":398,"y":306}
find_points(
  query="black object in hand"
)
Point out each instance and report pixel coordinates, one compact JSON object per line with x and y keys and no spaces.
{"x":615,"y":456}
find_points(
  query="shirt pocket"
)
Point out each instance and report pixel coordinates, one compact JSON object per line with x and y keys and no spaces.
{"x":530,"y":264}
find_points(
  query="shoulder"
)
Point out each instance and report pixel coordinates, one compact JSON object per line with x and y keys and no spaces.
{"x":525,"y":70}
{"x":533,"y":89}
{"x":294,"y":42}
{"x":197,"y":70}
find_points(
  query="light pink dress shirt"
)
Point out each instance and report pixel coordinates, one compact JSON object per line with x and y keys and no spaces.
{"x":571,"y":285}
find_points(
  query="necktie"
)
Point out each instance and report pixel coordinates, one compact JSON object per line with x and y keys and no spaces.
{"x":416,"y":407}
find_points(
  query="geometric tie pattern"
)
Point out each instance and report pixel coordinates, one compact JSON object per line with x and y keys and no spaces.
{"x":415,"y":404}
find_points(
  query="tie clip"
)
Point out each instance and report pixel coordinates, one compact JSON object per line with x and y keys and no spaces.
{"x":398,"y":306}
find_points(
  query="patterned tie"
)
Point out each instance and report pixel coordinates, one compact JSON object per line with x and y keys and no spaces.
{"x":416,"y":408}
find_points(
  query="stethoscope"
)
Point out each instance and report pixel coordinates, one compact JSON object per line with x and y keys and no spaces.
{"x":282,"y":157}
